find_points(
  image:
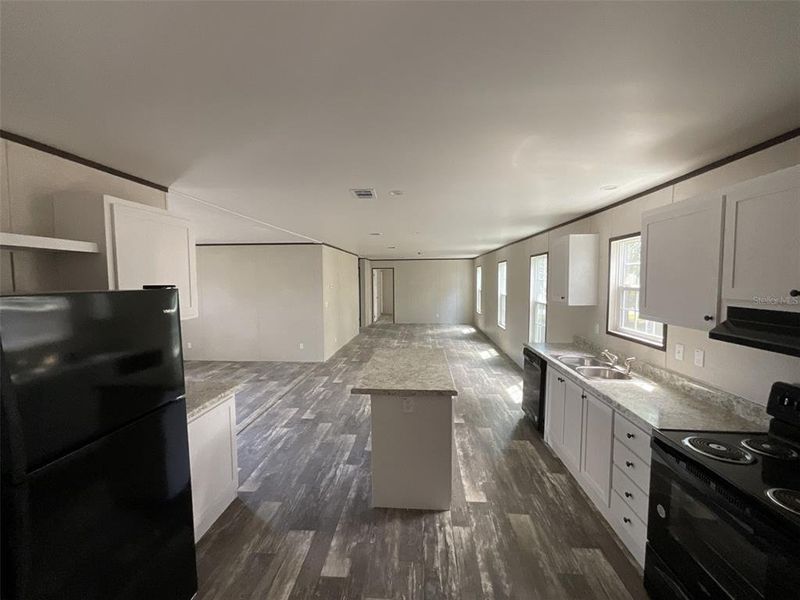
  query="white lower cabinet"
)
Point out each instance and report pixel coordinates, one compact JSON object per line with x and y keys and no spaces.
{"x":573,"y":426}
{"x":554,"y":408}
{"x":598,"y":434}
{"x":607,"y":454}
{"x":629,"y":527}
{"x":213,"y":464}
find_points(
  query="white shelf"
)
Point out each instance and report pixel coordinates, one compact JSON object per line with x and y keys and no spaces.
{"x":18,"y":241}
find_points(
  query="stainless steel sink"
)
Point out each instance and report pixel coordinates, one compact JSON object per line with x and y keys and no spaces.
{"x":601,"y":373}
{"x":583,"y":361}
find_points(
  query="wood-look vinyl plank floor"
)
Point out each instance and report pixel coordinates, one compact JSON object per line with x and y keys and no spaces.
{"x":303,"y":528}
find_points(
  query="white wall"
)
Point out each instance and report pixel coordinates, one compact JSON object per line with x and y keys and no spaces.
{"x":431,"y":291}
{"x":747,"y":372}
{"x":258,"y":303}
{"x":339,"y":298}
{"x":387,"y":302}
{"x":365,"y":279}
{"x":29,"y":179}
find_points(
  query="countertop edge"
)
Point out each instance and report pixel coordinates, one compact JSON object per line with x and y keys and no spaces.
{"x":402,"y":392}
{"x":211,"y":403}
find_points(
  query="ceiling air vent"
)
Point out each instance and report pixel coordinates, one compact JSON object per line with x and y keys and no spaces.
{"x":364,"y":193}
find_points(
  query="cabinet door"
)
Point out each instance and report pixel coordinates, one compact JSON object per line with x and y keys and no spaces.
{"x":762,"y":245}
{"x":214,"y":465}
{"x":573,"y":426}
{"x":598,"y":444}
{"x":558,"y":267}
{"x":681,"y":262}
{"x":554,"y":409}
{"x":154,"y":248}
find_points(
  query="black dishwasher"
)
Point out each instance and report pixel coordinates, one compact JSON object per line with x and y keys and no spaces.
{"x":534,"y":377}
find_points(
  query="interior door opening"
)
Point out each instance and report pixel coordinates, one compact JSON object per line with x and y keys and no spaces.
{"x":383,"y":296}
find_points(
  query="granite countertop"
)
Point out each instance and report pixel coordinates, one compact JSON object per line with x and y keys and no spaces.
{"x":407,"y":372}
{"x":202,"y":396}
{"x":656,"y":404}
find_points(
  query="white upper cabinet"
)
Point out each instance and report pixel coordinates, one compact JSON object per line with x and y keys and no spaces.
{"x":573,"y":270}
{"x":138,"y":245}
{"x":761,"y":263}
{"x":680,"y":262}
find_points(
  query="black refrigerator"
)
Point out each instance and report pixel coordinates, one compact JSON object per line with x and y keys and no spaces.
{"x":96,"y":492}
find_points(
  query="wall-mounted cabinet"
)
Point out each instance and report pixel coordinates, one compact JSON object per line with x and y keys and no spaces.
{"x":680,"y":262}
{"x":137,"y":245}
{"x":573,"y":270}
{"x":739,"y":245}
{"x":762,"y":241}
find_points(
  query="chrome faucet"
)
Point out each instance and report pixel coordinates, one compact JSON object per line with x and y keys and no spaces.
{"x":612,"y":358}
{"x":627,"y":362}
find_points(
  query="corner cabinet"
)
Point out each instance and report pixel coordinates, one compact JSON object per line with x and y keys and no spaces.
{"x":762,"y":241}
{"x":573,"y":270}
{"x":680,"y":262}
{"x":138,"y":245}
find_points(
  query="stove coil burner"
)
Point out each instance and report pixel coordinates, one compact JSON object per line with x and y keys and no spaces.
{"x":718,"y":450}
{"x":771,"y":448}
{"x":785,"y":498}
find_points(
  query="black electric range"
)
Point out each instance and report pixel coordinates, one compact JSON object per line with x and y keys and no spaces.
{"x":724,"y":513}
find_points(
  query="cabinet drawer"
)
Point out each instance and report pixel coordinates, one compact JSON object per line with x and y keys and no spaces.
{"x":632,"y":436}
{"x":630,"y":528}
{"x":631,"y":494}
{"x":633,"y":466}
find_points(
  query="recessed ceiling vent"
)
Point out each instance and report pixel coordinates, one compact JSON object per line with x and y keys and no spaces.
{"x":364,"y":193}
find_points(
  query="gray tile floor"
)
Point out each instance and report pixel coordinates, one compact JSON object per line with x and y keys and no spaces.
{"x":302,"y":526}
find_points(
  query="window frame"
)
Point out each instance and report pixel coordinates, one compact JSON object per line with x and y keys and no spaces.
{"x":504,"y":294}
{"x":663,"y":345}
{"x":479,"y":289}
{"x":530,"y":291}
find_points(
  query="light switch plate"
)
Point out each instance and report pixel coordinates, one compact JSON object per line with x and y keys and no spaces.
{"x":678,"y":351}
{"x":699,"y":357}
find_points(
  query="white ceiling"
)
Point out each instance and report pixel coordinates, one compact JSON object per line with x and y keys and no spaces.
{"x":497,"y":119}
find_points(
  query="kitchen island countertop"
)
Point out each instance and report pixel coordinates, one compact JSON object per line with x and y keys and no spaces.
{"x":410,"y":371}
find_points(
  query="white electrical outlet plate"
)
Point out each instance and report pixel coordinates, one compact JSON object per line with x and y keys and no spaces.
{"x":597,"y":328}
{"x":678,"y":351}
{"x":699,"y":358}
{"x":302,"y":345}
{"x":408,"y":405}
{"x":189,"y":345}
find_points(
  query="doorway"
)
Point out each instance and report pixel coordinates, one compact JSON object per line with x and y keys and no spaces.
{"x":383,"y":309}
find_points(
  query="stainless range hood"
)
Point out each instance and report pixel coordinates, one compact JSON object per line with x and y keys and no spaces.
{"x":773,"y":330}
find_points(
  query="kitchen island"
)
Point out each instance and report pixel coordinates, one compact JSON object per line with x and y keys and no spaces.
{"x":411,"y":396}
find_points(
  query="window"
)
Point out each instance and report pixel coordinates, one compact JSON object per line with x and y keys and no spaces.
{"x":623,"y":294}
{"x":478,"y":289}
{"x":537,"y":320}
{"x":501,"y":294}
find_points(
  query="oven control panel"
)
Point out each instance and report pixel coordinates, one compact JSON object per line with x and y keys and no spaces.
{"x":784,"y":402}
